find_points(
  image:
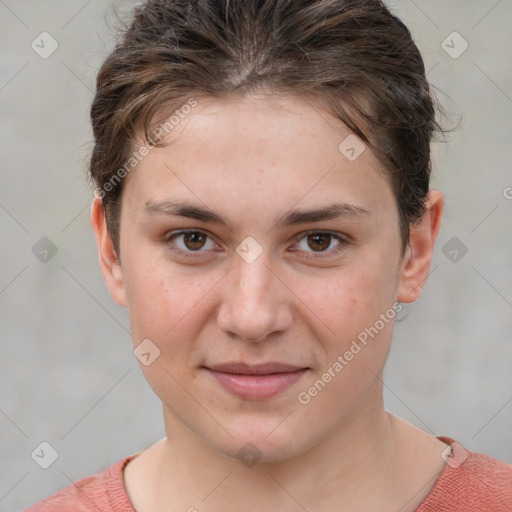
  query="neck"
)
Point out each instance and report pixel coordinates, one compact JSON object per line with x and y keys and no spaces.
{"x":354,"y":462}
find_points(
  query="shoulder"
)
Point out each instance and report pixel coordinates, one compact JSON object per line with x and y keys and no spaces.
{"x":470,"y":482}
{"x":103,"y":491}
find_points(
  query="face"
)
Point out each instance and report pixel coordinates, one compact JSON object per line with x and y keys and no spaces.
{"x":264,"y":266}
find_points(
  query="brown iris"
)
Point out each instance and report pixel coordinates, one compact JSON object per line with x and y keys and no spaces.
{"x":194,"y":240}
{"x":322,"y":239}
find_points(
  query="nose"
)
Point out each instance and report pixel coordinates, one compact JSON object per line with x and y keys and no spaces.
{"x":255,"y":301}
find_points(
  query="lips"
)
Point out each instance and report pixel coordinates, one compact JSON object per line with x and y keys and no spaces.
{"x":256,"y":382}
{"x":259,"y":369}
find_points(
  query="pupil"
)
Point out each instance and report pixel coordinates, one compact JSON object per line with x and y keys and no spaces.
{"x":321,"y":237}
{"x":193,"y":237}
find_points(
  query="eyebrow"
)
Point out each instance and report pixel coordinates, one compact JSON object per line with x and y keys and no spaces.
{"x":293,"y":217}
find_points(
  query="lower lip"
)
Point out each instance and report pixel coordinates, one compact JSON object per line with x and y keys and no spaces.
{"x":257,"y":387}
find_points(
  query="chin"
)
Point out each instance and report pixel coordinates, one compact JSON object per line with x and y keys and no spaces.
{"x":263,"y":442}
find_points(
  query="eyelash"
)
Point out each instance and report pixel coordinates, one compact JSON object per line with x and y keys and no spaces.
{"x":332,"y":252}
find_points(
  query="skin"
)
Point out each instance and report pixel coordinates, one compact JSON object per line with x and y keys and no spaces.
{"x":251,"y":160}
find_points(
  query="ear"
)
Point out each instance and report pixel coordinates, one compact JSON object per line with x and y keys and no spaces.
{"x":416,"y":261}
{"x":109,"y":264}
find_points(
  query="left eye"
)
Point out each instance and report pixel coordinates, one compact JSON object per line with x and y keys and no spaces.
{"x":321,"y":241}
{"x":193,"y":241}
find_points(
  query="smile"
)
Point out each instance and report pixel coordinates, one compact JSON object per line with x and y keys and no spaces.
{"x":256,"y":382}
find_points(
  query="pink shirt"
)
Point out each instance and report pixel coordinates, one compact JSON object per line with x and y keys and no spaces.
{"x":469,"y":482}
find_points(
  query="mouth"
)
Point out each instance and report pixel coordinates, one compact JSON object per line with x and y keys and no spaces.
{"x":256,"y":382}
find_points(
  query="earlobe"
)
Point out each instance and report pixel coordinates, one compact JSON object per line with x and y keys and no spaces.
{"x":418,"y":255}
{"x":108,"y":260}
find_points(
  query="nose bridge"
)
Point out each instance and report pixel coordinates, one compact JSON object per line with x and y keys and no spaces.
{"x":253,"y":303}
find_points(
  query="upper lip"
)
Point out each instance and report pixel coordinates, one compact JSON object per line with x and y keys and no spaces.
{"x":257,"y":369}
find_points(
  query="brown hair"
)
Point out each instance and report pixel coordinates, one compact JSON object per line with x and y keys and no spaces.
{"x":352,"y":55}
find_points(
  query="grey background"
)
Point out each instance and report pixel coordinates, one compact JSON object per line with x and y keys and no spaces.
{"x":68,"y":375}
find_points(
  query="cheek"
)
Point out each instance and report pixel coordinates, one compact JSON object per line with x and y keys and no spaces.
{"x":356,"y":313}
{"x":147,"y":293}
{"x":164,"y":302}
{"x":351,"y":298}
{"x":164,"y":305}
{"x":358,"y":309}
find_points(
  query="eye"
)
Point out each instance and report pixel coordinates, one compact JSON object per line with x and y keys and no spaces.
{"x":320,"y":242}
{"x":192,"y":241}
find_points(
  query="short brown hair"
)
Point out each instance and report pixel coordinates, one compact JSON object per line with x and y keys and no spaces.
{"x":353,"y":55}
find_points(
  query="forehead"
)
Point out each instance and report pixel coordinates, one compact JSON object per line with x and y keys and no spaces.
{"x":261,"y":151}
